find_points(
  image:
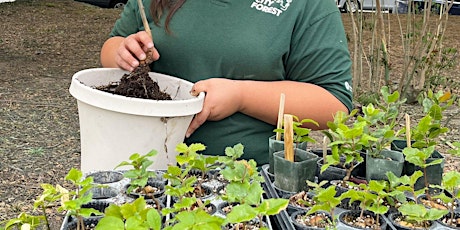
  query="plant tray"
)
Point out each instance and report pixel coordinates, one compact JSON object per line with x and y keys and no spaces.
{"x":283,"y":219}
{"x":115,"y":185}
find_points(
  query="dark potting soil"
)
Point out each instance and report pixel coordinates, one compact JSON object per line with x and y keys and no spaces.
{"x":137,"y":84}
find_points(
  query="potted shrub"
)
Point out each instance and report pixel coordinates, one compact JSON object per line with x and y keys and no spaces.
{"x":293,"y":166}
{"x":412,"y":214}
{"x":423,"y":135}
{"x":347,"y":142}
{"x":382,"y":122}
{"x":447,"y":199}
{"x":244,"y":191}
{"x":321,"y":214}
{"x":301,"y":139}
{"x":371,"y":199}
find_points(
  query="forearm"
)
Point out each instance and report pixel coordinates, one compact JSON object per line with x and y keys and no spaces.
{"x":109,"y":51}
{"x":304,"y":100}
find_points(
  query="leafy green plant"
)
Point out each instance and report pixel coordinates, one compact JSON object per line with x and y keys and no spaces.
{"x":139,"y":174}
{"x":382,"y":121}
{"x":411,"y":211}
{"x":371,"y":197}
{"x":135,"y":215}
{"x":301,"y":134}
{"x":51,"y":195}
{"x":325,"y":200}
{"x":450,"y":184}
{"x":429,"y":127}
{"x":25,"y":221}
{"x":346,"y":140}
{"x":80,"y":196}
{"x":245,"y":190}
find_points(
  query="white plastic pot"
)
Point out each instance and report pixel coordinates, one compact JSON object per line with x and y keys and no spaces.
{"x":112,"y":127}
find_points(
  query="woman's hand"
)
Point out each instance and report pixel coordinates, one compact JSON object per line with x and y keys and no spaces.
{"x":134,"y":48}
{"x":222,"y":100}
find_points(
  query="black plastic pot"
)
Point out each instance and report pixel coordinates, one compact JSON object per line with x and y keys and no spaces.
{"x":89,"y":222}
{"x":292,"y":176}
{"x":393,"y":219}
{"x":338,"y":173}
{"x":154,"y":183}
{"x":276,"y":146}
{"x":356,"y":213}
{"x":106,"y":177}
{"x":302,"y":226}
{"x":386,"y":161}
{"x":446,"y":221}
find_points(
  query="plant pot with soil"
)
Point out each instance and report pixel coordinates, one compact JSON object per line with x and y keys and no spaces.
{"x":300,"y":137}
{"x":112,"y":126}
{"x":316,"y":220}
{"x":293,"y":167}
{"x":382,"y":120}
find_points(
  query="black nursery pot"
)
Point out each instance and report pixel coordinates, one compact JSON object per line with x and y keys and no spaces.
{"x":154,"y":183}
{"x":447,"y":222}
{"x":392,"y":217}
{"x":356,"y":213}
{"x":301,"y":226}
{"x":388,"y":161}
{"x":292,"y":176}
{"x":338,"y":173}
{"x":276,"y":146}
{"x":89,"y":222}
{"x":106,"y":177}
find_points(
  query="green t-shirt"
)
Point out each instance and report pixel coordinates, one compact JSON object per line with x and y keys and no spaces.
{"x":267,"y":40}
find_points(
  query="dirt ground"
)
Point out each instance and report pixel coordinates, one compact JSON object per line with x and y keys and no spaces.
{"x":42,"y":44}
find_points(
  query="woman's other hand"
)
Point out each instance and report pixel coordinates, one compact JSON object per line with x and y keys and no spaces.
{"x":222,"y":100}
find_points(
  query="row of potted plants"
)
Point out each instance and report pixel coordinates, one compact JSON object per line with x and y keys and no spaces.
{"x":193,"y":187}
{"x":355,"y":139}
{"x":410,"y":176}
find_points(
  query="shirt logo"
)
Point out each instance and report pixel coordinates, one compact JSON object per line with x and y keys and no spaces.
{"x":275,"y":7}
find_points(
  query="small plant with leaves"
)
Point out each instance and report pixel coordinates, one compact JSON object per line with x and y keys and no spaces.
{"x":25,"y":221}
{"x":429,"y":128}
{"x":325,"y":200}
{"x":301,"y":134}
{"x":80,"y":196}
{"x":371,"y":197}
{"x":245,"y":191}
{"x":183,"y":185}
{"x":412,"y":213}
{"x":348,"y":141}
{"x":139,"y":174}
{"x":382,"y":121}
{"x":134,"y":215}
{"x":451,"y":194}
{"x":188,"y":156}
{"x":419,"y":157}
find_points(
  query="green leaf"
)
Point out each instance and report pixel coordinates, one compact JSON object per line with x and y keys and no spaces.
{"x":272,"y":206}
{"x":110,"y":223}
{"x":241,"y":213}
{"x":154,"y":219}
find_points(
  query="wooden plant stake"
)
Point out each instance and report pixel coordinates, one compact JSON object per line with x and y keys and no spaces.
{"x":324,"y":150}
{"x":144,"y":18}
{"x":408,"y":137}
{"x":280,"y":116}
{"x":288,"y":138}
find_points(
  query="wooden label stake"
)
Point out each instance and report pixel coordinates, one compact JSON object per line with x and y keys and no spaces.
{"x":280,"y":116}
{"x":288,"y":138}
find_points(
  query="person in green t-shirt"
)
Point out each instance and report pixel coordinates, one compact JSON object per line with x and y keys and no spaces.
{"x":243,"y":54}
